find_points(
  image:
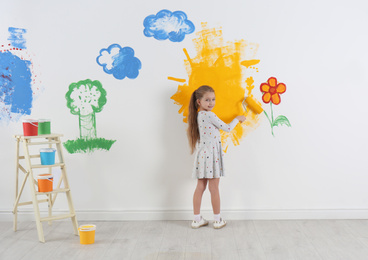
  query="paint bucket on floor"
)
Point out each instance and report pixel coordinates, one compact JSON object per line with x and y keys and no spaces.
{"x":44,"y":127}
{"x":30,"y":127}
{"x":47,"y":156}
{"x":45,"y":182}
{"x":87,"y":234}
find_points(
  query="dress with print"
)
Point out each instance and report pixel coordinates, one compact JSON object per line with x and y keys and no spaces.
{"x":208,"y":160}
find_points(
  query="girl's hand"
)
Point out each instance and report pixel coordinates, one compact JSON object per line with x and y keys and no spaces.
{"x":241,"y":118}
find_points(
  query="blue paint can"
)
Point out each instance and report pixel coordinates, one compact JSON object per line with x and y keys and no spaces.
{"x":47,"y":156}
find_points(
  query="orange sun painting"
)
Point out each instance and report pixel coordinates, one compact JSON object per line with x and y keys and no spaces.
{"x":224,"y":67}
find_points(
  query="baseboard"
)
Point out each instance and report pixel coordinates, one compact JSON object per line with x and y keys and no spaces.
{"x":230,"y":214}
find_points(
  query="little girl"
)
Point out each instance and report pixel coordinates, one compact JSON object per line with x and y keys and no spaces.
{"x":204,"y":134}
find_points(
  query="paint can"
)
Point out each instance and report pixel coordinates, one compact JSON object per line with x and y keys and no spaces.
{"x":87,"y":234}
{"x":44,"y":127}
{"x":45,"y":182}
{"x":47,"y":156}
{"x":30,"y":127}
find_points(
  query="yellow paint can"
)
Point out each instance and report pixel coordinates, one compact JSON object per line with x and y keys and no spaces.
{"x":87,"y":234}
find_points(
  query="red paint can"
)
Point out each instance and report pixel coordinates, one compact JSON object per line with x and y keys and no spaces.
{"x":30,"y":127}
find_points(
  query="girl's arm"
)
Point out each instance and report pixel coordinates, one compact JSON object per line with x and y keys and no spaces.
{"x":220,"y":124}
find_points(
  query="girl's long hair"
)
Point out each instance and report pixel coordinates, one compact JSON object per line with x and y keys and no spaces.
{"x":193,"y":131}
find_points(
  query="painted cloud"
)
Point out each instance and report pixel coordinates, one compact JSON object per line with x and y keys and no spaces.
{"x":168,"y":25}
{"x":120,"y":62}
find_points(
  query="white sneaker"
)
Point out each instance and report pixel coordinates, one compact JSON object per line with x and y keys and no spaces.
{"x":201,"y":223}
{"x":219,"y":224}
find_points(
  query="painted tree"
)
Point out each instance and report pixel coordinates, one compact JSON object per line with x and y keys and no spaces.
{"x":86,"y":98}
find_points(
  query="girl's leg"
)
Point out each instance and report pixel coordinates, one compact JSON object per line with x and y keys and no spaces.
{"x":213,"y":186}
{"x":197,"y":197}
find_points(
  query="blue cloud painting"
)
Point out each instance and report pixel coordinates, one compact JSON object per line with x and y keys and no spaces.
{"x":120,"y":62}
{"x":168,"y":25}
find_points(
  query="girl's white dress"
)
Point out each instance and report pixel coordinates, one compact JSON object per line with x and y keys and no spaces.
{"x":208,"y":160}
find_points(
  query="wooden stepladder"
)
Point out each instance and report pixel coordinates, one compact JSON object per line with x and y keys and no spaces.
{"x":30,"y":167}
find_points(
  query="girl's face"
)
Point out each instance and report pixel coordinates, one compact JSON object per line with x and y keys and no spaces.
{"x":207,"y":102}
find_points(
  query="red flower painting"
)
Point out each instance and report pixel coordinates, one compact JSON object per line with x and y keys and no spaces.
{"x":272,"y":90}
{"x":271,"y":94}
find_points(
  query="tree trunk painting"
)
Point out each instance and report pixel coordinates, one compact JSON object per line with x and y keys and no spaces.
{"x":87,"y":126}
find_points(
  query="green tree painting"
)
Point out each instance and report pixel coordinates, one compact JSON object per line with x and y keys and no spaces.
{"x":86,"y":98}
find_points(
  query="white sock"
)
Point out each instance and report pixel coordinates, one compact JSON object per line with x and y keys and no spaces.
{"x":197,"y":217}
{"x":217,"y":217}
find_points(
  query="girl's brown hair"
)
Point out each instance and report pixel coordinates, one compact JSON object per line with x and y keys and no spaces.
{"x":193,"y":132}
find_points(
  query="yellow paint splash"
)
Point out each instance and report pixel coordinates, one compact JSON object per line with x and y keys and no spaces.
{"x":248,"y":63}
{"x":176,"y":79}
{"x":219,"y":66}
{"x":250,"y":85}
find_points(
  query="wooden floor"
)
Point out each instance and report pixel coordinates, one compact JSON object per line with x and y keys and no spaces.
{"x":245,"y":239}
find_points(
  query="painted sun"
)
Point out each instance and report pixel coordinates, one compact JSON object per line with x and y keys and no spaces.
{"x":223,"y":67}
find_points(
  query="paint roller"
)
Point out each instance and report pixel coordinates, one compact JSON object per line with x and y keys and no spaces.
{"x":252,"y":104}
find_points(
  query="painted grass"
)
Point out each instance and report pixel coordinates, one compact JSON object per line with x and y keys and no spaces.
{"x":88,"y":145}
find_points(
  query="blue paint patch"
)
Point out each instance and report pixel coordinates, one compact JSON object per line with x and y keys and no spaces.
{"x":120,"y":62}
{"x":16,"y":37}
{"x":15,"y":84}
{"x":168,"y":25}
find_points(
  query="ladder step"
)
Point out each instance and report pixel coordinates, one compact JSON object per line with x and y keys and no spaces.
{"x":31,"y":202}
{"x":48,"y":166}
{"x":51,"y":192}
{"x":57,"y":217}
{"x":38,"y":136}
{"x":46,"y":142}
{"x":31,"y":156}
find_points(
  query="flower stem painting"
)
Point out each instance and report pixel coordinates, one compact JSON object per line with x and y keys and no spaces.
{"x":271,"y":94}
{"x":86,"y":98}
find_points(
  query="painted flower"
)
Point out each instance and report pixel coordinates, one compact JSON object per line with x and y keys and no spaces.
{"x":271,"y":91}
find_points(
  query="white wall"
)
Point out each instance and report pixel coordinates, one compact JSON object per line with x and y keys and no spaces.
{"x":315,"y":169}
